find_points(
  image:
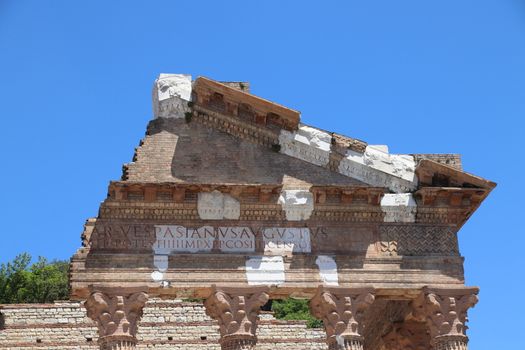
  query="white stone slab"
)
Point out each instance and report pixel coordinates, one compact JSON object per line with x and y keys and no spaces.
{"x":399,"y":207}
{"x":382,"y":148}
{"x":265,"y":270}
{"x":171,"y":93}
{"x":402,"y":166}
{"x":169,"y":85}
{"x":307,"y":143}
{"x":217,"y":206}
{"x":327,"y":270}
{"x":284,"y":241}
{"x":376,"y":168}
{"x":297,"y":204}
{"x":235,"y":239}
{"x":179,"y":239}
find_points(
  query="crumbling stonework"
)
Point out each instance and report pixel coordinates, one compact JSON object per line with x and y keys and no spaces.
{"x":165,"y":324}
{"x":231,"y":199}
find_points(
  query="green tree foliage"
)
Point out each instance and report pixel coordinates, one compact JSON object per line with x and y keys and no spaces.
{"x":41,"y":282}
{"x":295,"y":309}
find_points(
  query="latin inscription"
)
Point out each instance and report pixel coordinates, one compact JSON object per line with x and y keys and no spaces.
{"x":275,"y":240}
{"x":171,"y":239}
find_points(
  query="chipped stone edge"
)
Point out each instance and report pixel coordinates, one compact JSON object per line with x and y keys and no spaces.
{"x":171,"y":94}
{"x":217,"y":206}
{"x":399,"y":207}
{"x":298,"y":204}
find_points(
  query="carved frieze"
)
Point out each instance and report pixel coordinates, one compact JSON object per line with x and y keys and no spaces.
{"x":418,"y":240}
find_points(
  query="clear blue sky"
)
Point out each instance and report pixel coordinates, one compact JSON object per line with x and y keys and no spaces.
{"x":421,"y":76}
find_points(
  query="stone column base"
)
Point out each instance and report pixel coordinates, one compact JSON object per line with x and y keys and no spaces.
{"x":238,"y":342}
{"x":345,"y":343}
{"x":445,"y":342}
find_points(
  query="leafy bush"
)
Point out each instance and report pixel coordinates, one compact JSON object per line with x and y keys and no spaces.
{"x":295,"y":309}
{"x":41,"y":282}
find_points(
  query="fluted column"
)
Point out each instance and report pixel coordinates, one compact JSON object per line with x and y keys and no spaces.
{"x":236,"y":310}
{"x":116,"y":312}
{"x":341,"y":310}
{"x":445,"y":313}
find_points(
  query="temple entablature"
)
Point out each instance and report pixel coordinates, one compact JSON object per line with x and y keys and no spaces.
{"x":232,"y":199}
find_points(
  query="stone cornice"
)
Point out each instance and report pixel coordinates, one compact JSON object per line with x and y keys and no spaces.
{"x":262,"y":110}
{"x":178,"y":201}
{"x":449,"y":196}
{"x":244,"y":130}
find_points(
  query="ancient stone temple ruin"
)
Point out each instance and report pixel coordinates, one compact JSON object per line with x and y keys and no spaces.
{"x":231,"y":199}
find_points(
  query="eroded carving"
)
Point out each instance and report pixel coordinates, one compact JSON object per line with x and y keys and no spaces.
{"x":342,"y":310}
{"x":236,"y":310}
{"x":116,"y":312}
{"x":445,"y":313}
{"x":418,"y":240}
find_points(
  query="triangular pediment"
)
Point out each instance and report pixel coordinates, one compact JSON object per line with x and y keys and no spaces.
{"x":207,"y":129}
{"x":181,"y":152}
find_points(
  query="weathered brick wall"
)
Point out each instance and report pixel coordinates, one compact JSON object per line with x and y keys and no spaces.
{"x":164,"y":325}
{"x":176,"y":151}
{"x":452,"y":160}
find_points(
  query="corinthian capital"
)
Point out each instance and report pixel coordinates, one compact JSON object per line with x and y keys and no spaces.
{"x":342,"y":310}
{"x":445,"y":312}
{"x":116,"y":312}
{"x":236,"y":310}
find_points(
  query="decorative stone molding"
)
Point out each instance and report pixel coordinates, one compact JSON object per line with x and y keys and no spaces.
{"x":236,"y":310}
{"x":445,"y":313}
{"x":342,"y":310}
{"x":227,"y":100}
{"x":309,"y":144}
{"x":377,"y":168}
{"x":298,"y":205}
{"x":217,"y":206}
{"x":171,"y":93}
{"x":399,"y":207}
{"x":418,"y":240}
{"x":116,"y":312}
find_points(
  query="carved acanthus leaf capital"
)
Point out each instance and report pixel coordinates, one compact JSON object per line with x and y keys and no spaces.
{"x":116,"y":311}
{"x":445,"y":310}
{"x":236,"y":309}
{"x":341,"y":310}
